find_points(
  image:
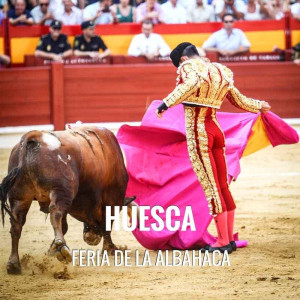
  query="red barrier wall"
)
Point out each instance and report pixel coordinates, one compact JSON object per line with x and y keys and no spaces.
{"x":61,"y":94}
{"x":24,"y":96}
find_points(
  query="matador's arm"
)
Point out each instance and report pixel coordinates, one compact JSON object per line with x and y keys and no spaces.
{"x":190,"y":84}
{"x":238,"y":99}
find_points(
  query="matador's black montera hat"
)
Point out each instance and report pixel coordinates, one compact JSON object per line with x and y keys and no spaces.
{"x":177,"y":53}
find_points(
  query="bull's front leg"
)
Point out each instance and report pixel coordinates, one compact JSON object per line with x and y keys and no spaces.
{"x":19,"y":211}
{"x":59,"y":205}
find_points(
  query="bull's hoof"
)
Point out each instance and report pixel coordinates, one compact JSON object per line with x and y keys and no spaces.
{"x":13,"y":268}
{"x":91,"y":238}
{"x":63,"y":254}
{"x":111,"y":250}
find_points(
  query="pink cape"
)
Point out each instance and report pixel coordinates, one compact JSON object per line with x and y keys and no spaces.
{"x":160,"y":171}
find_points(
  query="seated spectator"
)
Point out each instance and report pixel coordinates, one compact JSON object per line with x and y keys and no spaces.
{"x":174,"y":13}
{"x":148,"y":44}
{"x":89,"y":44}
{"x":41,"y":14}
{"x":54,"y":45}
{"x":200,"y":12}
{"x":295,"y":10}
{"x":2,"y":15}
{"x":20,"y":15}
{"x":276,"y":9}
{"x":150,"y":10}
{"x":235,"y":7}
{"x":99,"y":12}
{"x":4,"y":60}
{"x":228,"y":41}
{"x":296,"y":54}
{"x":186,"y":4}
{"x":256,"y":10}
{"x":70,"y":14}
{"x":124,"y":12}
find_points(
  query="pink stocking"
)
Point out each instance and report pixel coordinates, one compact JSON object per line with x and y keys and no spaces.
{"x":221,"y":224}
{"x":230,"y":223}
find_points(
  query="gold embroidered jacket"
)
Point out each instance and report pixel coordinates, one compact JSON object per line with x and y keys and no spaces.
{"x":202,"y":83}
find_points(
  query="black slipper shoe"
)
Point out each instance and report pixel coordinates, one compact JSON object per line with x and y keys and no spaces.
{"x":221,"y":249}
{"x":233,"y":245}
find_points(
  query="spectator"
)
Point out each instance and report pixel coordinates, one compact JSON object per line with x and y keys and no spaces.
{"x":235,"y":7}
{"x":4,"y":60}
{"x":187,"y":3}
{"x":174,"y":13}
{"x":296,"y":54}
{"x":54,"y":45}
{"x":41,"y":14}
{"x":20,"y":15}
{"x":30,"y":4}
{"x":70,"y":14}
{"x":98,"y":12}
{"x":149,"y":10}
{"x":2,"y":15}
{"x":148,"y":44}
{"x":89,"y":44}
{"x":200,"y":12}
{"x":124,"y":12}
{"x":295,"y":10}
{"x":276,"y":9}
{"x":255,"y":10}
{"x":228,"y":41}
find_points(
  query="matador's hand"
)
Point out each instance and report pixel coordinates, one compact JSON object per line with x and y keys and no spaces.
{"x":161,"y":109}
{"x":265,"y":107}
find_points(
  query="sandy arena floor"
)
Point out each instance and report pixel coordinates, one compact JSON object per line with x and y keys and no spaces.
{"x":267,"y":195}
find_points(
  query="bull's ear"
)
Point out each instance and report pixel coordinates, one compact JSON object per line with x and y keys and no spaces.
{"x":129,"y":200}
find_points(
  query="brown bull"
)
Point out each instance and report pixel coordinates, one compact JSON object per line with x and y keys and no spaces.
{"x":76,"y":172}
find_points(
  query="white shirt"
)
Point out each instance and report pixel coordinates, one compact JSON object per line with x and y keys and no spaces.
{"x":295,"y":9}
{"x":155,"y":43}
{"x":255,"y":15}
{"x":222,"y":41}
{"x":186,"y":3}
{"x":239,"y":5}
{"x":204,"y":13}
{"x":75,"y":17}
{"x":91,"y":10}
{"x":174,"y":15}
{"x":38,"y":15}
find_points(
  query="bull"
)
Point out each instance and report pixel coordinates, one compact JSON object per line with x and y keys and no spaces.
{"x":78,"y":172}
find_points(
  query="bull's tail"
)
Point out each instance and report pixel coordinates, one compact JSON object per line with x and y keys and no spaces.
{"x":5,"y":187}
{"x":25,"y":145}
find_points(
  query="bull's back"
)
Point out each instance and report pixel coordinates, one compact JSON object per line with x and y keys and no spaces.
{"x":98,"y":152}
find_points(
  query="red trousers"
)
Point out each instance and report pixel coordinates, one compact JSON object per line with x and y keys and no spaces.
{"x":206,"y":146}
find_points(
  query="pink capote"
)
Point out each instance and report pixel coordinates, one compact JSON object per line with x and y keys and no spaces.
{"x":160,"y":172}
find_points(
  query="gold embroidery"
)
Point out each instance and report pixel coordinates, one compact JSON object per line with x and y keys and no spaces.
{"x":207,"y":84}
{"x":203,"y":145}
{"x":243,"y":102}
{"x":201,"y":165}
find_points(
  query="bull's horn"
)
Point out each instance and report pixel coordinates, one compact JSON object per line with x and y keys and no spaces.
{"x":129,"y":200}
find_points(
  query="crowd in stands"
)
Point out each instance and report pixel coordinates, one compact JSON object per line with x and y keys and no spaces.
{"x":72,"y":12}
{"x":227,"y":41}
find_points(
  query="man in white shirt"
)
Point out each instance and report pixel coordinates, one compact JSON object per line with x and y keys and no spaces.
{"x":148,"y":44}
{"x":99,"y":12}
{"x":200,"y":12}
{"x":174,"y":13}
{"x":42,"y":14}
{"x":70,"y":14}
{"x":236,"y":7}
{"x":228,"y":41}
{"x":295,"y":10}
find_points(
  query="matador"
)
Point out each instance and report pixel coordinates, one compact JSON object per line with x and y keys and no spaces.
{"x":202,"y":87}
